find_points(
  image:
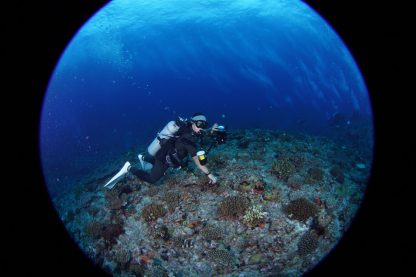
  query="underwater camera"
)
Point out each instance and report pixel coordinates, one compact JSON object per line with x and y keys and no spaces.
{"x":220,"y":134}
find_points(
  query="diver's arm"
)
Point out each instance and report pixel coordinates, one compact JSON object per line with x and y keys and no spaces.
{"x":209,"y":131}
{"x":214,"y":128}
{"x":204,"y":169}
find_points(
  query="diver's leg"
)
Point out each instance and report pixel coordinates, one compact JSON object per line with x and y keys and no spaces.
{"x":146,"y":161}
{"x":159,"y":168}
{"x":149,"y":158}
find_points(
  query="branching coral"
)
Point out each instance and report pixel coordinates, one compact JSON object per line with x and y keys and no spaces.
{"x":152,"y":212}
{"x":254,"y":216}
{"x":300,"y":209}
{"x":233,"y":206}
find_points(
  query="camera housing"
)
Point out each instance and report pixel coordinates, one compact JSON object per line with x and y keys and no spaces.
{"x":220,"y":135}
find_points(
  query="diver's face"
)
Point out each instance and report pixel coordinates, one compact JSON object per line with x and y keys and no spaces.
{"x":196,"y":129}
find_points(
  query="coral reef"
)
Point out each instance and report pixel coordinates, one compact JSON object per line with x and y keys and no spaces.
{"x":337,"y":173}
{"x":211,"y":232}
{"x":283,"y":168}
{"x":307,"y":243}
{"x":109,"y":232}
{"x":112,"y":231}
{"x":114,"y":201}
{"x":259,"y":187}
{"x":172,"y":200}
{"x":121,"y":254}
{"x":300,"y":209}
{"x":184,"y":226}
{"x":152,"y":191}
{"x":259,"y":154}
{"x":297,"y":161}
{"x":161,"y":232}
{"x":243,"y":144}
{"x":233,"y":206}
{"x":136,"y":269}
{"x":319,"y":227}
{"x":315,"y":175}
{"x":183,"y":242}
{"x":221,"y":257}
{"x":95,"y":229}
{"x":152,"y":212}
{"x":216,"y":161}
{"x":245,"y":186}
{"x":295,"y":182}
{"x":78,"y":191}
{"x":272,"y":195}
{"x":254,"y":216}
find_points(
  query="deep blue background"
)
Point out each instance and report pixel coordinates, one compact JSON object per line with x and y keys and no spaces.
{"x":136,"y":65}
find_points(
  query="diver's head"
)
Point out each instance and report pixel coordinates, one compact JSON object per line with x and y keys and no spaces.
{"x":199,"y":122}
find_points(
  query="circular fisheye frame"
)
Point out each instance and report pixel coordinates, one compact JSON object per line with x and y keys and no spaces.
{"x":288,"y":150}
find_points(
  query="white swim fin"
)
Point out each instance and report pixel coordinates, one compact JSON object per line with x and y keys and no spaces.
{"x":118,"y":176}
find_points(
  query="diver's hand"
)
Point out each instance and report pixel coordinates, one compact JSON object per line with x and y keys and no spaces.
{"x":212,"y":178}
{"x":214,"y":127}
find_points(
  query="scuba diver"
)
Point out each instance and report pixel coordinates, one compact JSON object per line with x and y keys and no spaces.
{"x":171,"y":146}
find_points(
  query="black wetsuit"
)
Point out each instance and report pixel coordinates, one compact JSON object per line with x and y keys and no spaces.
{"x":171,"y":154}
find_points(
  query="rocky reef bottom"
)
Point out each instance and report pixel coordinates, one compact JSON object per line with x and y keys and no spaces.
{"x":282,"y":202}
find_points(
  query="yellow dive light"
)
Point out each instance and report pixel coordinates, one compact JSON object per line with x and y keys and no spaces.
{"x":201,"y":157}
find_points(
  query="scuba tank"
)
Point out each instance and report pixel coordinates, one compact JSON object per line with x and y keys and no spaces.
{"x":167,"y":132}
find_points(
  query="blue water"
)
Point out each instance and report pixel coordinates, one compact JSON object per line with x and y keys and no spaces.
{"x":136,"y":65}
